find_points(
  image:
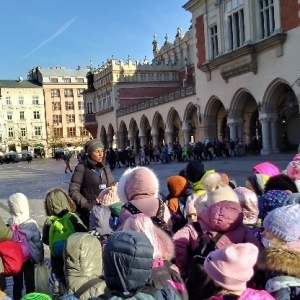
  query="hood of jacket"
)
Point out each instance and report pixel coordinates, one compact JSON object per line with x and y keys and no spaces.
{"x":128,"y":257}
{"x":100,"y":218}
{"x":280,"y":260}
{"x":177,"y":186}
{"x":56,"y":201}
{"x":166,"y":248}
{"x":198,"y":186}
{"x":249,"y":294}
{"x":19,"y":207}
{"x":83,"y":262}
{"x":222,"y":216}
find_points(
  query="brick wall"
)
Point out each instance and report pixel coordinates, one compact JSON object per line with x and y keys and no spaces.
{"x":200,"y":40}
{"x":289,"y":14}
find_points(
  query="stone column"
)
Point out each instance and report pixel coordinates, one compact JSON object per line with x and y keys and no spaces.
{"x":274,"y":138}
{"x":168,"y":137}
{"x":131,"y":140}
{"x":232,"y":128}
{"x":186,"y":136}
{"x":265,"y":128}
{"x":142,"y":140}
{"x":240,"y":130}
{"x":155,"y":139}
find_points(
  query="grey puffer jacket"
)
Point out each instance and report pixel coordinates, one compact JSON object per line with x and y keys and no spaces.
{"x":128,"y":257}
{"x":83,"y":262}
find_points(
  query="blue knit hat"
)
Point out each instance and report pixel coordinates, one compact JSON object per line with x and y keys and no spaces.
{"x":284,"y":223}
{"x":269,"y":201}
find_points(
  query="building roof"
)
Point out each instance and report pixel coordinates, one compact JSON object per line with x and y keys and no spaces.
{"x":14,"y":84}
{"x":61,"y":72}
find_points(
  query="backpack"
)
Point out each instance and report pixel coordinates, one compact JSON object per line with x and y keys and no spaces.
{"x":60,"y":230}
{"x":21,"y":238}
{"x":196,"y":272}
{"x":157,"y":220}
{"x":12,"y":257}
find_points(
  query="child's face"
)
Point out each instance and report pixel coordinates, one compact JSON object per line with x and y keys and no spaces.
{"x":192,"y":217}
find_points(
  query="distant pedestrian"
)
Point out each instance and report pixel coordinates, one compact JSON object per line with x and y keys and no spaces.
{"x":29,"y":158}
{"x":67,"y":157}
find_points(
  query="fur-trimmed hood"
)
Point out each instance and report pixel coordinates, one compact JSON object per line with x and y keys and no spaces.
{"x":166,"y":246}
{"x":280,"y":260}
{"x":56,"y":201}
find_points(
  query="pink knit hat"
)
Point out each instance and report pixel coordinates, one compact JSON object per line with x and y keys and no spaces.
{"x":232,"y":267}
{"x":249,"y":204}
{"x":109,"y":196}
{"x":161,"y":242}
{"x":266,"y":168}
{"x":293,"y":170}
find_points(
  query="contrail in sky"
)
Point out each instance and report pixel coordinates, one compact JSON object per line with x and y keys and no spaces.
{"x":61,"y":30}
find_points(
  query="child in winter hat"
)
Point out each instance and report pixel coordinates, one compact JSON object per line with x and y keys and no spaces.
{"x":21,"y":221}
{"x":190,"y":209}
{"x":256,"y":183}
{"x":138,"y":190}
{"x":249,"y":203}
{"x":293,"y":171}
{"x":266,"y":168}
{"x":281,"y":182}
{"x":231,"y":268}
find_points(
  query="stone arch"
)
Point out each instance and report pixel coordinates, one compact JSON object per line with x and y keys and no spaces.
{"x":243,"y":117}
{"x":191,"y":123}
{"x":111,"y":136}
{"x":214,"y":115}
{"x":134,"y":134}
{"x":103,"y":136}
{"x":158,"y":129}
{"x":123,"y":136}
{"x":174,"y":127}
{"x":146,"y":138}
{"x":281,"y":105}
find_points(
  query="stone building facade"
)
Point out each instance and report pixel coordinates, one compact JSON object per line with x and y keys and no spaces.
{"x":233,"y":75}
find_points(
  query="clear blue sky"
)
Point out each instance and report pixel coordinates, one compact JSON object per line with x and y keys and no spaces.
{"x":71,"y":32}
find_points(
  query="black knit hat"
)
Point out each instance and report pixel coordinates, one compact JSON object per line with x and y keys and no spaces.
{"x":194,"y":171}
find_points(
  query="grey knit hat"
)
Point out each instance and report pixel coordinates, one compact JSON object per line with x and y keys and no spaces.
{"x":93,"y":145}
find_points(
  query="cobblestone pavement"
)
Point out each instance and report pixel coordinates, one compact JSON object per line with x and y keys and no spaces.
{"x":35,"y":179}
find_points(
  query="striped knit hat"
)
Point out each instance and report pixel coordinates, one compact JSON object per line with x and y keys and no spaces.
{"x":93,"y":145}
{"x":36,"y":296}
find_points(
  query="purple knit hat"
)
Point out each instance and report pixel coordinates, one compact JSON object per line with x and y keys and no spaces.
{"x":283,"y":222}
{"x":232,"y":267}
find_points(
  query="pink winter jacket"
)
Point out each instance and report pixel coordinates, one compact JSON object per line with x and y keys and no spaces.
{"x":249,"y":294}
{"x":224,"y":216}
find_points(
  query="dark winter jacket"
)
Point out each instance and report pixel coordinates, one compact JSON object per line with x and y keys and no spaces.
{"x":86,"y":183}
{"x":282,"y":269}
{"x":5,"y":232}
{"x":128,"y":259}
{"x":58,"y":203}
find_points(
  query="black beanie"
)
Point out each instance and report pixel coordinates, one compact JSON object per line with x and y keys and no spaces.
{"x":194,"y":171}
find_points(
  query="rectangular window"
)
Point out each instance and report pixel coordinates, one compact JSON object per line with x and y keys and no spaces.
{"x":9,"y":115}
{"x":36,"y":115}
{"x":70,"y":118}
{"x":35,"y":100}
{"x":79,"y":91}
{"x":37,"y":130}
{"x":80,"y":80}
{"x":21,"y":100}
{"x":22,"y":115}
{"x":235,"y":37}
{"x":56,"y":119}
{"x":54,"y":93}
{"x":10,"y":132}
{"x":7,"y":100}
{"x":71,"y":131}
{"x":69,"y":105}
{"x":80,"y":105}
{"x":67,"y":80}
{"x":266,"y":17}
{"x":56,"y":106}
{"x":83,"y":131}
{"x":89,"y":108}
{"x":57,"y":132}
{"x":23,"y":132}
{"x":68,"y":93}
{"x":54,"y":80}
{"x":214,"y":47}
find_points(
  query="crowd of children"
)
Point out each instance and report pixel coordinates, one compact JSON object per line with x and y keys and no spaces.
{"x":209,"y":239}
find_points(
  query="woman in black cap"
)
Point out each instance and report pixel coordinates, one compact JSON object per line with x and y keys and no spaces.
{"x":89,"y":178}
